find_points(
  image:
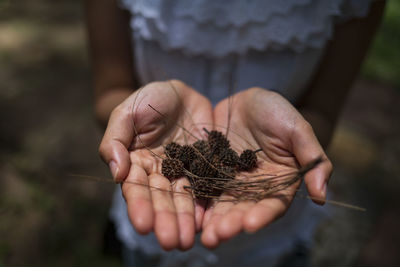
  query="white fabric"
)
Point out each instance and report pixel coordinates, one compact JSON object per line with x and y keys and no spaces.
{"x":217,"y":28}
{"x":212,"y":45}
{"x":149,"y":244}
{"x":284,"y":71}
{"x":268,"y":244}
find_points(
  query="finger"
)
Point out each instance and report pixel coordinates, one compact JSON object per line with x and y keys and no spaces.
{"x":184,"y":205}
{"x":209,"y":237}
{"x":307,"y":149}
{"x":199,"y":210}
{"x":209,"y":210}
{"x":138,"y":199}
{"x":116,"y":141}
{"x":166,"y":223}
{"x":263,"y":213}
{"x":231,"y":223}
{"x":317,"y":180}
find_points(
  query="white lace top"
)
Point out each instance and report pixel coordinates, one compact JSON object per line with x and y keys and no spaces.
{"x":218,"y":28}
{"x":212,"y":44}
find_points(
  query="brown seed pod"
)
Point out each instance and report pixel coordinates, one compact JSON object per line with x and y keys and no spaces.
{"x":201,"y":168}
{"x":247,"y":160}
{"x":202,"y":147}
{"x":172,"y":168}
{"x":225,"y":172}
{"x":196,"y":167}
{"x":173,"y":150}
{"x":204,"y":191}
{"x":187,"y":155}
{"x":217,"y":141}
{"x":229,"y":157}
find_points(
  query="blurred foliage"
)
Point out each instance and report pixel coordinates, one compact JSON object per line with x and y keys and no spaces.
{"x":383,"y":61}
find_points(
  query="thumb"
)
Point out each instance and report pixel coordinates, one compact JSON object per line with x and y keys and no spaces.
{"x":307,"y":149}
{"x":116,"y":141}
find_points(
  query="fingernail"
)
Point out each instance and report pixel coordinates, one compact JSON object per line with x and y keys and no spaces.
{"x":113,"y":168}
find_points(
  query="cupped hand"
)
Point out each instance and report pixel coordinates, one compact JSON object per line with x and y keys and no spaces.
{"x":136,"y":133}
{"x":263,"y":119}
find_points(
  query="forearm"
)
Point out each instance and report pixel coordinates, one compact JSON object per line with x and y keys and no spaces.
{"x":339,"y":67}
{"x":111,"y":55}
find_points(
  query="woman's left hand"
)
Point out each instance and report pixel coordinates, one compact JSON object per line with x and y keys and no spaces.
{"x":264,"y":119}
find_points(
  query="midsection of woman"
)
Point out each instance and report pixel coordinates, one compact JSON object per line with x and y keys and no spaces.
{"x":215,"y":47}
{"x":286,"y":72}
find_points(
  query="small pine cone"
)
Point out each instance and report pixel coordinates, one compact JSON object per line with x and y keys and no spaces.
{"x":173,"y":150}
{"x":229,"y":157}
{"x":211,"y":157}
{"x":223,"y":171}
{"x":247,"y":160}
{"x":202,"y":146}
{"x":196,"y":167}
{"x":218,"y":141}
{"x":201,"y":168}
{"x":195,"y":181}
{"x":201,"y":192}
{"x":226,"y":172}
{"x":214,"y":159}
{"x":172,"y":168}
{"x":187,"y":155}
{"x":192,"y":179}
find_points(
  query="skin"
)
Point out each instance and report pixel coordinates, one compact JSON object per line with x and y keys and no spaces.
{"x":264,"y":119}
{"x":135,"y":128}
{"x":288,"y":137}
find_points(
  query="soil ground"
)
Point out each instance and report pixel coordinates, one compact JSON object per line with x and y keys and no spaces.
{"x":48,"y":133}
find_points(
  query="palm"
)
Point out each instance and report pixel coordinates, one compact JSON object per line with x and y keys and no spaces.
{"x":143,"y":124}
{"x":162,"y":114}
{"x":259,"y":119}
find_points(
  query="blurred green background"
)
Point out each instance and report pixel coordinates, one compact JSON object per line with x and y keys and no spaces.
{"x":48,"y":134}
{"x":383,"y":61}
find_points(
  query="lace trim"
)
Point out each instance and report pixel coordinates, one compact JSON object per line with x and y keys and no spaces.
{"x":238,"y":13}
{"x":216,"y":29}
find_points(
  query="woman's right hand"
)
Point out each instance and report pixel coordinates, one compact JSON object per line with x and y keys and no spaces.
{"x":149,"y":119}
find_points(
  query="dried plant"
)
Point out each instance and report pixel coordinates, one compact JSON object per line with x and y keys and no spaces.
{"x":216,"y":168}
